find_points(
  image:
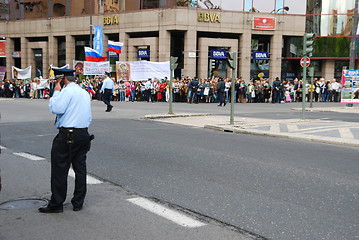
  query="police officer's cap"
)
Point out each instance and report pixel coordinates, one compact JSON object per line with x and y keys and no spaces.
{"x":60,"y":73}
{"x":107,"y":73}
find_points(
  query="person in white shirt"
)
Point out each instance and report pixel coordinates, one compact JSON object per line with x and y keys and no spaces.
{"x":107,"y":89}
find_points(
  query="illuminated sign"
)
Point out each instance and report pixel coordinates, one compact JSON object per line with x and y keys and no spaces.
{"x":110,"y":20}
{"x":143,"y":53}
{"x":208,"y":17}
{"x":260,"y":55}
{"x":218,"y":54}
{"x":260,"y":23}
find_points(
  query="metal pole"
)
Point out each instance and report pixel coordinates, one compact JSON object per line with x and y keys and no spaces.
{"x":354,"y":33}
{"x":233,"y":84}
{"x":170,"y":111}
{"x":304,"y":87}
{"x":91,"y":24}
{"x":353,"y":53}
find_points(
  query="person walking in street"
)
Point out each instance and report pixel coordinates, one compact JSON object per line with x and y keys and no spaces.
{"x":220,"y":91}
{"x":107,"y":90}
{"x":72,"y":106}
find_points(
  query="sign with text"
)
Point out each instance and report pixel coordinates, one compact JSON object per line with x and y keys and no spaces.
{"x":96,"y":68}
{"x":261,"y":23}
{"x":260,"y":55}
{"x":2,"y":48}
{"x":143,"y":53}
{"x":218,"y":54}
{"x":350,"y":86}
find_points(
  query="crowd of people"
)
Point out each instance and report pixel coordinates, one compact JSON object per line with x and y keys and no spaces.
{"x":185,"y":89}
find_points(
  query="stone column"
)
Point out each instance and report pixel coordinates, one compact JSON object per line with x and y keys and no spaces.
{"x":275,"y":68}
{"x":53,"y":51}
{"x":70,"y":49}
{"x":123,"y":36}
{"x":328,"y":68}
{"x":24,"y":52}
{"x":245,"y":55}
{"x":9,"y":59}
{"x":190,"y":52}
{"x":164,"y":45}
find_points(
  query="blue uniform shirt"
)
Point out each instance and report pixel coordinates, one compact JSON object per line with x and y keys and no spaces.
{"x":73,"y":107}
{"x":108,"y":84}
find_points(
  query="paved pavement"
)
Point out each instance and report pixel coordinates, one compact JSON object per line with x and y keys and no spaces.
{"x":318,"y":130}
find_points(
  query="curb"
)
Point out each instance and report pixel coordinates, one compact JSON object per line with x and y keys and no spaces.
{"x":159,"y":116}
{"x":342,"y":142}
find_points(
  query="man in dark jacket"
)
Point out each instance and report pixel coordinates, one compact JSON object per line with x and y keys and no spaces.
{"x":277,"y":85}
{"x":193,"y":86}
{"x":220,"y":92}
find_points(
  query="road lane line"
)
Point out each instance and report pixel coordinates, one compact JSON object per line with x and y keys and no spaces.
{"x":29,"y":156}
{"x":2,"y":147}
{"x":166,"y":213}
{"x":90,"y":180}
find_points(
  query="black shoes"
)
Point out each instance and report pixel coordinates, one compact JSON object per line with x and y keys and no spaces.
{"x":76,"y":209}
{"x":109,"y":109}
{"x":47,"y":209}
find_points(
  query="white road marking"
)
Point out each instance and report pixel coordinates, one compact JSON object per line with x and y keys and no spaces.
{"x":274,"y":128}
{"x":346,"y":133}
{"x":292,"y":127}
{"x":2,"y":147}
{"x":90,"y":180}
{"x":166,"y":213}
{"x":29,"y":156}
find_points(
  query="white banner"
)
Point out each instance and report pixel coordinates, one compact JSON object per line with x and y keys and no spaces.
{"x":96,"y":68}
{"x":21,"y":73}
{"x":142,"y":70}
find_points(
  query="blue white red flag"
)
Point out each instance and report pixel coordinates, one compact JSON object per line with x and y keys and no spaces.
{"x":92,"y":55}
{"x":115,"y":46}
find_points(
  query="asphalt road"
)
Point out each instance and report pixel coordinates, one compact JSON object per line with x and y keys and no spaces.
{"x":277,"y":188}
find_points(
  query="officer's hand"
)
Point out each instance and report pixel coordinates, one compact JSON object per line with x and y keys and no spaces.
{"x":58,"y":85}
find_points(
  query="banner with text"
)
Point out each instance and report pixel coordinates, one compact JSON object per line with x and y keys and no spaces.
{"x":142,"y":70}
{"x":96,"y":68}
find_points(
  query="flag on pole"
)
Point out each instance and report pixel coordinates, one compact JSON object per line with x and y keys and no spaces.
{"x":92,"y":55}
{"x":115,"y":46}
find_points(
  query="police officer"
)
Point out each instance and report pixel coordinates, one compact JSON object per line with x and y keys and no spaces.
{"x":107,"y":89}
{"x":72,"y":106}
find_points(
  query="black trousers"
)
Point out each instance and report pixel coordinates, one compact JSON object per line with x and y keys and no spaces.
{"x":221,"y":98}
{"x":107,"y":97}
{"x":63,"y":155}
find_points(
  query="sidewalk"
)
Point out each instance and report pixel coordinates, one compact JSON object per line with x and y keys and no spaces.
{"x":324,"y":131}
{"x":110,"y":212}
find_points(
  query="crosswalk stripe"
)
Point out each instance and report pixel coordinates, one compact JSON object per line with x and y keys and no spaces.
{"x":346,"y":133}
{"x":166,"y":213}
{"x":29,"y":156}
{"x":90,"y":180}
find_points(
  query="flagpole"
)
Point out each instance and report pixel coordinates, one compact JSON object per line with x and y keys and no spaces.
{"x":91,"y":24}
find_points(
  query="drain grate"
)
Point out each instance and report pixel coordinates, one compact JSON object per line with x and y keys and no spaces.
{"x":23,"y":204}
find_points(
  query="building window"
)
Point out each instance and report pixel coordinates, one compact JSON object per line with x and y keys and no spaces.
{"x":146,"y":4}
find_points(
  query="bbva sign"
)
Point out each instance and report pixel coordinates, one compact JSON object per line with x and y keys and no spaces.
{"x":260,"y":55}
{"x":208,"y":17}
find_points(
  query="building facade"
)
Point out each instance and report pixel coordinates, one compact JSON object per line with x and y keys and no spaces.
{"x":267,"y":35}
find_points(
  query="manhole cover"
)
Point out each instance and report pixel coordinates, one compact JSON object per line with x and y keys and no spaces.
{"x":23,"y":204}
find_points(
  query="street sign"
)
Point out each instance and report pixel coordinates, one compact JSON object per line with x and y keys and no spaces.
{"x":307,"y":62}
